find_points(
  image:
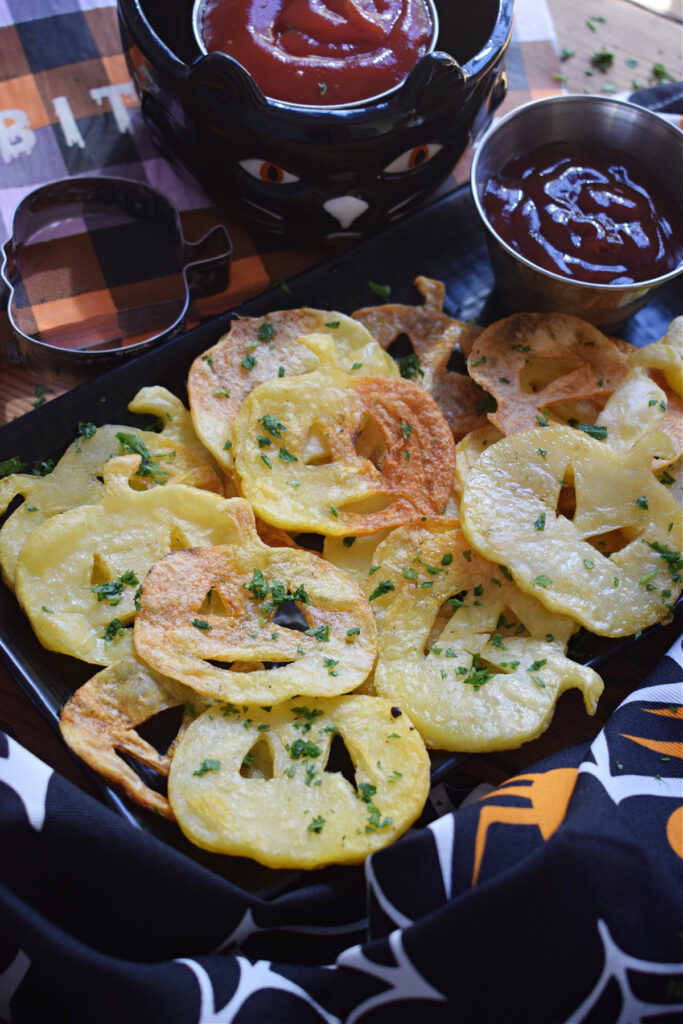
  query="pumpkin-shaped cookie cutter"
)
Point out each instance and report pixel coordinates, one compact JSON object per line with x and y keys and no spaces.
{"x":66,"y":312}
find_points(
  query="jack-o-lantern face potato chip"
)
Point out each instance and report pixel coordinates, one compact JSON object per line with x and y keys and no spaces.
{"x":77,"y":477}
{"x":477,"y":664}
{"x":99,"y":724}
{"x":204,"y":609}
{"x":257,"y":349}
{"x":79,"y":573}
{"x":434,"y":336}
{"x":511,"y":513}
{"x":263,"y":783}
{"x":533,"y":362}
{"x":326,"y":453}
{"x":639,"y":406}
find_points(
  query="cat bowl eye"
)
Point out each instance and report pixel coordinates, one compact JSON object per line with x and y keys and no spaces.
{"x":316,"y":172}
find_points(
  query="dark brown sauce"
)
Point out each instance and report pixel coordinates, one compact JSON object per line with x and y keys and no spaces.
{"x":589,"y":215}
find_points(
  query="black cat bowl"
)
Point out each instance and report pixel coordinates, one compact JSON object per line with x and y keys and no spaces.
{"x":316,"y":171}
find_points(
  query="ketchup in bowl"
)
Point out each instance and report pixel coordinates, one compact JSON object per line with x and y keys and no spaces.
{"x":320,"y":52}
{"x":589,"y":215}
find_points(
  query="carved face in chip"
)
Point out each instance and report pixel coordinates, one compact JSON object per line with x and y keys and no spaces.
{"x":564,"y":552}
{"x":305,"y":624}
{"x":171,"y":456}
{"x":327,"y":453}
{"x":477,"y":664}
{"x":79,"y":573}
{"x":433,"y":338}
{"x":307,"y":783}
{"x":532,"y":363}
{"x":258,"y":349}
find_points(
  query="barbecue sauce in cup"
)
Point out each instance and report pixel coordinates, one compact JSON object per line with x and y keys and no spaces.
{"x":320,"y":52}
{"x":589,"y":215}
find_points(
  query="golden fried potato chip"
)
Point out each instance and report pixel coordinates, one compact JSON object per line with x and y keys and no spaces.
{"x":477,"y":664}
{"x":78,"y":573}
{"x":262,"y":783}
{"x":203,"y":609}
{"x":354,"y":555}
{"x":469,"y":449}
{"x":326,"y":453}
{"x":665,"y":355}
{"x":258,"y":349}
{"x":510,"y":514}
{"x":99,"y":724}
{"x":77,"y":477}
{"x":434,"y":336}
{"x":639,"y":406}
{"x":531,"y":362}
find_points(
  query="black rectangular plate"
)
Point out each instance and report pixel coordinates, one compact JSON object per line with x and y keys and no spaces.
{"x":444,"y":240}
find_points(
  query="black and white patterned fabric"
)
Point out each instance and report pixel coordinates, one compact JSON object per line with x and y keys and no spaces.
{"x":556,"y":897}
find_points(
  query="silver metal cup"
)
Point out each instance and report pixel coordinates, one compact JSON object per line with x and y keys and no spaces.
{"x":587,"y":121}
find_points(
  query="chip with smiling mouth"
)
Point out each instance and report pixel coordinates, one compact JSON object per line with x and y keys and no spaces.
{"x":330,"y":453}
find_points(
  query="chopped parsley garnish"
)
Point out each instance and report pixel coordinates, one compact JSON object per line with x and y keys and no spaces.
{"x":43,"y":467}
{"x":589,"y":563}
{"x":330,"y":665}
{"x":410,"y":574}
{"x":309,"y":716}
{"x":382,"y":290}
{"x":227,"y":446}
{"x":321,"y":633}
{"x":273,"y":425}
{"x":286,"y":456}
{"x":316,"y":825}
{"x":208,"y":765}
{"x":539,"y":523}
{"x":266,"y":461}
{"x":354,"y":631}
{"x":248,"y":363}
{"x":303,"y":748}
{"x":112,"y":630}
{"x":541,"y":581}
{"x":382,"y":588}
{"x":266,"y":331}
{"x":149,"y":466}
{"x":406,"y":430}
{"x":467,"y":555}
{"x":257,"y":585}
{"x":335,"y":511}
{"x":593,"y":430}
{"x":86,"y":430}
{"x":349,"y":542}
{"x":112,"y":591}
{"x":447,"y":558}
{"x":333,"y":323}
{"x":409,"y":366}
{"x":263,"y":442}
{"x":642,"y":503}
{"x":478,"y":362}
{"x":9,"y":466}
{"x":201,"y":624}
{"x":506,"y":572}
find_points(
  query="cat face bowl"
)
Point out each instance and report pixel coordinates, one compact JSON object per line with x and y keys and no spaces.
{"x":318,"y":170}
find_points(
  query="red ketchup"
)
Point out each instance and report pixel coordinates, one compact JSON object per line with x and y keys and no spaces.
{"x":320,"y":52}
{"x":589,"y":215}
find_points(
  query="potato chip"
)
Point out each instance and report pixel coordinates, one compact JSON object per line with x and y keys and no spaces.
{"x":262,"y":783}
{"x":510,"y":514}
{"x":665,"y":355}
{"x":78,"y":573}
{"x":531,"y":362}
{"x":327,"y":453}
{"x":477,"y":664}
{"x":639,"y":406}
{"x":99,"y":724}
{"x":469,"y":449}
{"x":203,"y":609}
{"x":433,"y":336}
{"x":258,"y":349}
{"x":77,"y":477}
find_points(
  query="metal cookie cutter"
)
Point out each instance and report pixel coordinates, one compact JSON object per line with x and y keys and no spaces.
{"x":97,"y":270}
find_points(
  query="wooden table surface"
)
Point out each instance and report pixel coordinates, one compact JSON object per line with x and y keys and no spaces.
{"x":645,"y":45}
